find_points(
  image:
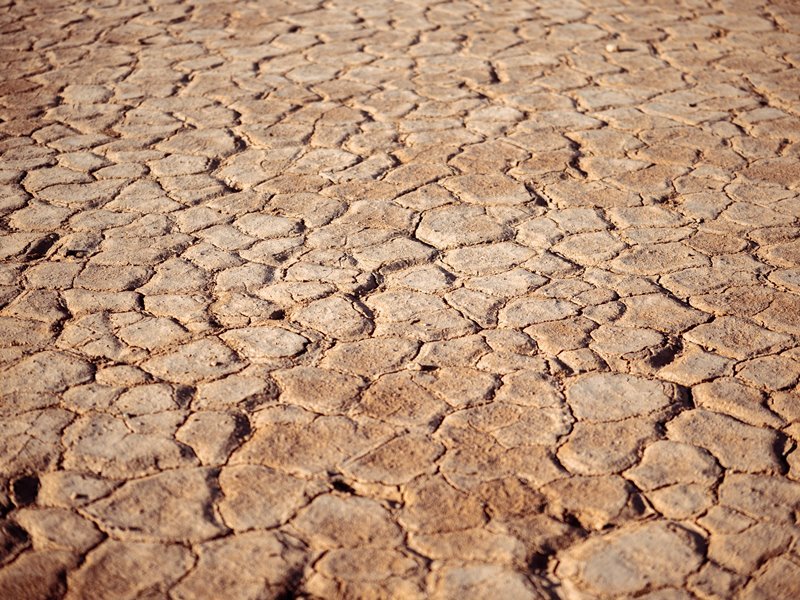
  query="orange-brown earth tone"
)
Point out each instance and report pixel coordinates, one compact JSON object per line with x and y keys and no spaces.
{"x":399,"y":299}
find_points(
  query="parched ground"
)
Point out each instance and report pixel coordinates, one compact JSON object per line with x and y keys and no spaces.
{"x":399,"y":299}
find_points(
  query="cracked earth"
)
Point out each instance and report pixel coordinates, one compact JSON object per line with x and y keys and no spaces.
{"x":399,"y":299}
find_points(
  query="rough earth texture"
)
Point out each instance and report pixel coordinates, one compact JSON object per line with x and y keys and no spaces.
{"x":399,"y":299}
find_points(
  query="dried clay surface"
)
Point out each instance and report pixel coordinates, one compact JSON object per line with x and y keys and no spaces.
{"x":399,"y":299}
